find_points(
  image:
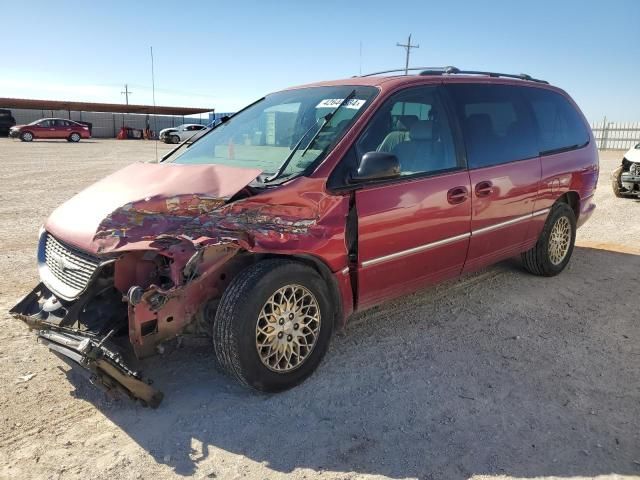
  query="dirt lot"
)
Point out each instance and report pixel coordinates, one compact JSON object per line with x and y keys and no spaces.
{"x":498,"y":375}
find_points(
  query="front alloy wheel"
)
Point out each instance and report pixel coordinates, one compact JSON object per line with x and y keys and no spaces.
{"x":287,"y":328}
{"x":273,"y":324}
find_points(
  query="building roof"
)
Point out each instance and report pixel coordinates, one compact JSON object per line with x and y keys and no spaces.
{"x":34,"y":104}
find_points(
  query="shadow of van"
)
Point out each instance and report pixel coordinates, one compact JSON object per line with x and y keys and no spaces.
{"x":499,"y":373}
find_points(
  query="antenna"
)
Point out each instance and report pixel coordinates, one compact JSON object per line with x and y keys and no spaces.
{"x":360,"y":71}
{"x":153,"y":95}
{"x":408,"y":48}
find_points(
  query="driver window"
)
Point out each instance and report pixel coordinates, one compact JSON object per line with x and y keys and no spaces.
{"x":413,"y":125}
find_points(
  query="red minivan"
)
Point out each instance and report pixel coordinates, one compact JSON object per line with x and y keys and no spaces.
{"x":309,"y":204}
{"x":49,"y":128}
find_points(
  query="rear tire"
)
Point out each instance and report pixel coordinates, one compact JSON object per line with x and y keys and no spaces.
{"x":26,"y":136}
{"x":74,"y":137}
{"x":552,"y":252}
{"x":262,"y":345}
{"x":616,"y":184}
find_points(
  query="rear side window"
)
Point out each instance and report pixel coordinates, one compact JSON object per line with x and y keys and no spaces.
{"x":496,"y":124}
{"x":560,"y":127}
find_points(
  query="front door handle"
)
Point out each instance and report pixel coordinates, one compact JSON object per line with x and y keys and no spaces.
{"x":457,"y":195}
{"x":484,"y":188}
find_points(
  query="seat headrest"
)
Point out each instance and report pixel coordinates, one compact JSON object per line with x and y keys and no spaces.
{"x":407,"y":121}
{"x":421,"y":130}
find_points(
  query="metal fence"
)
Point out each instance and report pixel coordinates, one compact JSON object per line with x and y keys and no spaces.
{"x":616,"y":135}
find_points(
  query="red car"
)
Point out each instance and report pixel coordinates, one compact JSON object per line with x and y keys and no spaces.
{"x":269,"y":231}
{"x":51,"y":128}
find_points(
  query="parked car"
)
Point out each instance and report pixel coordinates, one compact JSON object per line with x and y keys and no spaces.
{"x":270,"y":231}
{"x":181,"y":133}
{"x":51,"y":128}
{"x":625,"y":180}
{"x":6,"y":121}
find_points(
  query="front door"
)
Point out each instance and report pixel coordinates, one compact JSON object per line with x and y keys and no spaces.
{"x":504,"y":166}
{"x":414,"y":230}
{"x":43,"y":129}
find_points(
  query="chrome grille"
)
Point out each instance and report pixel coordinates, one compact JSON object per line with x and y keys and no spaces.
{"x":70,"y":268}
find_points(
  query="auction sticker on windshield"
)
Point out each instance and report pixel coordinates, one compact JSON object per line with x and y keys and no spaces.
{"x":353,"y":103}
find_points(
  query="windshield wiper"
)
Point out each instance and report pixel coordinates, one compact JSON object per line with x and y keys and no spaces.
{"x":326,"y":119}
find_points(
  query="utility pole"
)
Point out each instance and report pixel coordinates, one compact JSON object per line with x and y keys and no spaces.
{"x":408,"y":48}
{"x":127,"y":92}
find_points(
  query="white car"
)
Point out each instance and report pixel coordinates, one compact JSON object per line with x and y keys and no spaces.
{"x":183,"y":132}
{"x":625,"y":179}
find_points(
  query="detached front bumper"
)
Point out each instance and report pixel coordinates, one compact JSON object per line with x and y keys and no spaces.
{"x":14,"y":133}
{"x":100,"y":357}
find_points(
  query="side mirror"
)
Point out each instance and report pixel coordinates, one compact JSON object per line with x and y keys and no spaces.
{"x":376,"y":166}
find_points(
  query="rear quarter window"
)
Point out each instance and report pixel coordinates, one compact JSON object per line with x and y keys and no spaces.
{"x":560,"y":126}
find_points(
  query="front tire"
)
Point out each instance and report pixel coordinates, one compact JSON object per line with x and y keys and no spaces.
{"x":273,"y":325}
{"x":551,"y":254}
{"x":26,"y":136}
{"x":616,"y":183}
{"x":175,"y":139}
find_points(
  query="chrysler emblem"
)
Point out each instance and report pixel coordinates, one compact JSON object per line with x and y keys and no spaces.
{"x":62,"y":264}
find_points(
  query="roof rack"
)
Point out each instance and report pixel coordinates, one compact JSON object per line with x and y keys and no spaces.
{"x":454,"y":71}
{"x":398,"y":70}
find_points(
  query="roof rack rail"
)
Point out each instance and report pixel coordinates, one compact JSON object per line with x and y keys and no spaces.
{"x":450,"y":70}
{"x":453,"y":70}
{"x":398,"y":70}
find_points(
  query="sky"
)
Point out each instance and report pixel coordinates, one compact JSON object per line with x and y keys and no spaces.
{"x":224,"y":55}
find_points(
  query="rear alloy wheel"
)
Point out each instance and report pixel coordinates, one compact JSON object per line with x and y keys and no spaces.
{"x":26,"y":136}
{"x":273,"y":325}
{"x":74,"y":137}
{"x":175,"y":139}
{"x":552,"y":252}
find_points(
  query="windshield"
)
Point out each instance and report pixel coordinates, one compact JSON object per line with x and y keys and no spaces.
{"x":264,"y":135}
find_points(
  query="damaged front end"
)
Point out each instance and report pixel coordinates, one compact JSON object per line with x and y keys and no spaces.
{"x":96,"y":353}
{"x":153,"y":268}
{"x":105,"y":312}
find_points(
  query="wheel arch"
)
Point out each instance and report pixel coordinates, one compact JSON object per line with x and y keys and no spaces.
{"x":249,"y":258}
{"x":325,"y":273}
{"x":571,"y":198}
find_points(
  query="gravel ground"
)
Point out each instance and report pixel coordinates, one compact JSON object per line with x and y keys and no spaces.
{"x":498,"y":375}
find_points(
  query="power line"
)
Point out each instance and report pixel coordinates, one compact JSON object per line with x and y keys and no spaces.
{"x":153,"y":93}
{"x":126,"y":93}
{"x":408,"y":48}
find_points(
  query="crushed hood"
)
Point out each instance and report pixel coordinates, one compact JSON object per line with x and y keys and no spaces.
{"x":172,"y":191}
